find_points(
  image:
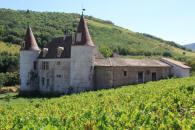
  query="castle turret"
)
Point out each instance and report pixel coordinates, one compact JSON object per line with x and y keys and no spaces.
{"x":82,"y":59}
{"x":28,"y":65}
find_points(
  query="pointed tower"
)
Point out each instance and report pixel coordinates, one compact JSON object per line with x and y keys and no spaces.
{"x":82,"y":35}
{"x":82,"y":59}
{"x":28,"y":56}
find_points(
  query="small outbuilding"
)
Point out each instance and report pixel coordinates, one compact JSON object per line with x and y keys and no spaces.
{"x":179,"y":69}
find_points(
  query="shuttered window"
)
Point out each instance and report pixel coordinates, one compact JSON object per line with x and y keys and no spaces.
{"x":45,"y":65}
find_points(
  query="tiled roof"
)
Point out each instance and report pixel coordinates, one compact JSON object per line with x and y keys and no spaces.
{"x":54,"y":44}
{"x":177,"y":63}
{"x":85,"y":37}
{"x":30,"y":42}
{"x":129,"y":62}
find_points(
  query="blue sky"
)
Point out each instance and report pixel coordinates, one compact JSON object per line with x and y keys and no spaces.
{"x":168,"y":19}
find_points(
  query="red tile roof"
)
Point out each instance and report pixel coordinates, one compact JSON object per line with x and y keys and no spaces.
{"x":30,"y":42}
{"x":85,"y":38}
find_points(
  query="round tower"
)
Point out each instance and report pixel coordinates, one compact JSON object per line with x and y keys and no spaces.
{"x":82,"y":59}
{"x":28,"y":65}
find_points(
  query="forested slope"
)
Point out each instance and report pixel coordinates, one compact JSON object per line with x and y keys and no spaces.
{"x":47,"y":25}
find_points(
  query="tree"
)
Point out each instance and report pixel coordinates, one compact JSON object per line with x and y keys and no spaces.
{"x":106,"y":52}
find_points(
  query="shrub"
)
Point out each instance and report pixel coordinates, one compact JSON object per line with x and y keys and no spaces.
{"x":106,"y":52}
{"x":9,"y":79}
{"x":167,"y":54}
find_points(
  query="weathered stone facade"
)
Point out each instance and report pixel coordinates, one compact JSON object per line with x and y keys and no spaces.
{"x":54,"y":78}
{"x":178,"y":69}
{"x":112,"y":77}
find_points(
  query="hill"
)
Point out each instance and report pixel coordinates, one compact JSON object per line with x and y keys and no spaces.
{"x":190,"y":46}
{"x":47,"y":25}
{"x":165,"y":104}
{"x":9,"y":48}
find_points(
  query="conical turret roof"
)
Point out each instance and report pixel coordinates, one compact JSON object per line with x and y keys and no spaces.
{"x":30,"y":42}
{"x":85,"y":37}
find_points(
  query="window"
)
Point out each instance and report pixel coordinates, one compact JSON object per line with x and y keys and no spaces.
{"x":125,"y":73}
{"x":140,"y":77}
{"x":154,"y":76}
{"x":35,"y":65}
{"x":47,"y":82}
{"x":23,"y":44}
{"x":43,"y":81}
{"x":58,"y":76}
{"x":45,"y":65}
{"x":78,"y":37}
{"x":58,"y":63}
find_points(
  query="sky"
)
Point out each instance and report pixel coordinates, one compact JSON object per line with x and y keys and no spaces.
{"x":171,"y":20}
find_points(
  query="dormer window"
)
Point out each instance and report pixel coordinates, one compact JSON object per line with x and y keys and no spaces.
{"x":23,"y":44}
{"x":59,"y":51}
{"x":45,"y":50}
{"x":78,"y":37}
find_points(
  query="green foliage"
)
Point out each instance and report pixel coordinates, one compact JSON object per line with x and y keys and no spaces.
{"x":47,"y":25}
{"x":9,"y":62}
{"x":106,"y":52}
{"x":191,"y":63}
{"x":9,"y":79}
{"x":167,"y":54}
{"x":9,"y":48}
{"x":168,"y":42}
{"x":165,"y":104}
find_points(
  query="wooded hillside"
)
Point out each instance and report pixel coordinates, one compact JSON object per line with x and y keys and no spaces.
{"x":109,"y":37}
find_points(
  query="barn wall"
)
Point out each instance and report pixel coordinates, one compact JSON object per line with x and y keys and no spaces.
{"x":58,"y":75}
{"x":112,"y":77}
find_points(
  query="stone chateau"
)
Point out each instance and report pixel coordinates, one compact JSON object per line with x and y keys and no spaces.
{"x":73,"y":64}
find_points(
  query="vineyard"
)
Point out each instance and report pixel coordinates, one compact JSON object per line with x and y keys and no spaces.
{"x":162,"y":104}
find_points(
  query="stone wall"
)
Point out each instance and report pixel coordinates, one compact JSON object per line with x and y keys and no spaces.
{"x":27,"y":59}
{"x":56,"y":78}
{"x":178,"y":71}
{"x":112,"y":77}
{"x":82,"y":67}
